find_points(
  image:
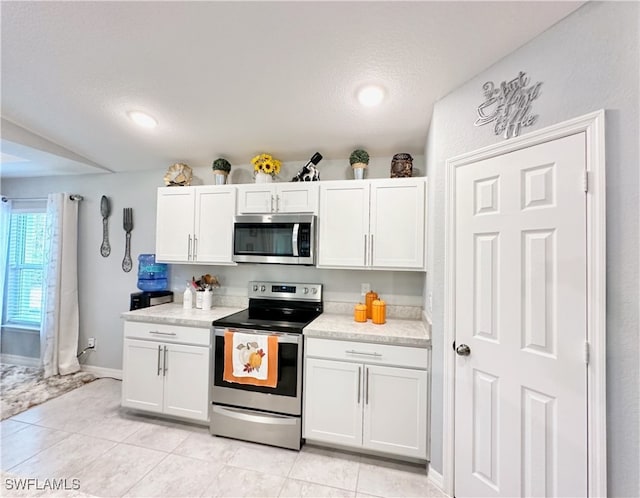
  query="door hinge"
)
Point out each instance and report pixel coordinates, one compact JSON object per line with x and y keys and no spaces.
{"x":585,"y":181}
{"x":587,"y":352}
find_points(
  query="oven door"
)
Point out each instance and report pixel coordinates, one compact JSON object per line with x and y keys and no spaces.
{"x":288,"y":239}
{"x":285,"y":397}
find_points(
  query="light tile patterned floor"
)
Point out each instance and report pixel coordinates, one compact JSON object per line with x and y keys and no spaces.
{"x":84,"y":435}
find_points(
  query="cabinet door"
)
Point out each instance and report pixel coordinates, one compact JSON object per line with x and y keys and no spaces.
{"x":186,"y":388}
{"x":258,"y":198}
{"x":395,"y":410}
{"x":215,"y":208}
{"x":344,"y":224}
{"x":174,"y":224}
{"x":333,"y":402}
{"x":297,"y":197}
{"x":142,"y":380}
{"x":397,"y":224}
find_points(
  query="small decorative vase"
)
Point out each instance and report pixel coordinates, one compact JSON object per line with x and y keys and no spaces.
{"x":220,"y":177}
{"x":263,"y":177}
{"x":358,"y":170}
{"x":402,"y":166}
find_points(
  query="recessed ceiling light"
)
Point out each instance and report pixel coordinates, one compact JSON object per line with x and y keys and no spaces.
{"x":142,"y":119}
{"x":370,"y":95}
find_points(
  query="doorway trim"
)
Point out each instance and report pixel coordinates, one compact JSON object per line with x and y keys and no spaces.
{"x":592,"y":125}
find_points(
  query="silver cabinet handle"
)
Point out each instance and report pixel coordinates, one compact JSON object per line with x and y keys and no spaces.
{"x":189,"y":252}
{"x":277,"y":203}
{"x":195,"y":247}
{"x":365,"y":249}
{"x":271,"y":208}
{"x":165,"y":362}
{"x":162,"y":333}
{"x":367,"y":387}
{"x":371,"y":251}
{"x":159,"y":350}
{"x":353,"y":351}
{"x":359,"y":379}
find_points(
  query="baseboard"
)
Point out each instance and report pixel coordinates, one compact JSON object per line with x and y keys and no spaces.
{"x":102,"y":372}
{"x":25,"y":361}
{"x":436,"y":478}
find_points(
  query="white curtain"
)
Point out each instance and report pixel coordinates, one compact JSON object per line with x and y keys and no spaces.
{"x":5,"y":221}
{"x":60,"y":320}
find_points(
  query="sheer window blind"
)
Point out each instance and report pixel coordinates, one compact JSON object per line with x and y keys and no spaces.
{"x":25,"y":268}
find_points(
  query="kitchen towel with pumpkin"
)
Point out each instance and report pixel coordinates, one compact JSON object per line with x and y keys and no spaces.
{"x":250,"y":359}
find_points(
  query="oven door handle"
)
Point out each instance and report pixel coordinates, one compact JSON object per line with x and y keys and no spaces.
{"x":282,"y":338}
{"x":242,"y":415}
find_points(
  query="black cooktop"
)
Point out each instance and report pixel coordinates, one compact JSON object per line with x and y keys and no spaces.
{"x":290,"y":317}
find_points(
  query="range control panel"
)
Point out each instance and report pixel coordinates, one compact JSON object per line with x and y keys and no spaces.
{"x":279,"y":290}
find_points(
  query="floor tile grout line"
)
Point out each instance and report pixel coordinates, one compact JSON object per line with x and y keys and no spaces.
{"x":89,"y":462}
{"x":147,"y":473}
{"x":26,"y":425}
{"x":69,"y":434}
{"x":85,"y":464}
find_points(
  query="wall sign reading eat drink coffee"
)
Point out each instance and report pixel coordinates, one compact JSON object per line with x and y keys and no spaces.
{"x":509,"y":105}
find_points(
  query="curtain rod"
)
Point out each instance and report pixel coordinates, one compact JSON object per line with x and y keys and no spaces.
{"x":73,"y":197}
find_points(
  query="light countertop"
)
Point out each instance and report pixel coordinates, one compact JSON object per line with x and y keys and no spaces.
{"x":174,"y":314}
{"x":395,"y":331}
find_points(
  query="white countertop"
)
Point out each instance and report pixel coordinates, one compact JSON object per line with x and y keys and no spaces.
{"x":174,"y":314}
{"x":395,"y":331}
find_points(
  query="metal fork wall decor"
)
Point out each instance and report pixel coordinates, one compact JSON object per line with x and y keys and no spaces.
{"x":127,"y":224}
{"x":509,"y":105}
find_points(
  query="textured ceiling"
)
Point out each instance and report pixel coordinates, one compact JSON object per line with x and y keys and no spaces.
{"x":237,"y":78}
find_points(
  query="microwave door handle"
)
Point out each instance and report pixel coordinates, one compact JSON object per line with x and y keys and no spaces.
{"x":294,"y":238}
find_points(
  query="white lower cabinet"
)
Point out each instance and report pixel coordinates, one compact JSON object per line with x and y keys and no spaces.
{"x":362,"y":403}
{"x":165,"y":377}
{"x":395,"y":410}
{"x":333,"y":401}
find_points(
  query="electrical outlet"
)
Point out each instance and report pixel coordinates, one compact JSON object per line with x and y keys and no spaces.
{"x":92,"y":342}
{"x":364,"y":288}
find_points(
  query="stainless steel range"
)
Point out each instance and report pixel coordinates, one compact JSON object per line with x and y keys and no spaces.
{"x":249,"y":409}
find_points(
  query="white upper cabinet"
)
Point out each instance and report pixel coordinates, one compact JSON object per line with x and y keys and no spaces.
{"x":174,"y":223}
{"x":292,"y":197}
{"x":373,"y":224}
{"x":215,"y":208}
{"x":195,"y":224}
{"x":397,"y":224}
{"x":343,"y":224}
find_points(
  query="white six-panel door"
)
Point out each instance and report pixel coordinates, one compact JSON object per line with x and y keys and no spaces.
{"x":520,"y":307}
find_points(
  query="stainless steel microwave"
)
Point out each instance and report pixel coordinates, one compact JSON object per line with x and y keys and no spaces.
{"x":275,"y":238}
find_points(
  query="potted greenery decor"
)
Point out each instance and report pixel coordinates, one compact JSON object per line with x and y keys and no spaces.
{"x":359,"y":160}
{"x":221,"y":168}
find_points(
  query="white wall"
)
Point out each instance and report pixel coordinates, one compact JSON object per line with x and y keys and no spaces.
{"x":588,"y":61}
{"x":104,"y":288}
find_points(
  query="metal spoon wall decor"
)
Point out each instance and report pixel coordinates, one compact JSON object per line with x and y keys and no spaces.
{"x":127,"y":223}
{"x":105,"y":210}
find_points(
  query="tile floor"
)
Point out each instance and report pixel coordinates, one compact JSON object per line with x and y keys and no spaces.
{"x":84,"y":435}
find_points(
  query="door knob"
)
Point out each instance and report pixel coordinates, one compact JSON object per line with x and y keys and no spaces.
{"x":463,"y":350}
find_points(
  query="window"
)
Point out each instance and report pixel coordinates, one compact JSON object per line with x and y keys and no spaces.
{"x":25,"y":268}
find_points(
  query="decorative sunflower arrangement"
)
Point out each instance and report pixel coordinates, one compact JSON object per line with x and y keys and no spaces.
{"x":265,"y":163}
